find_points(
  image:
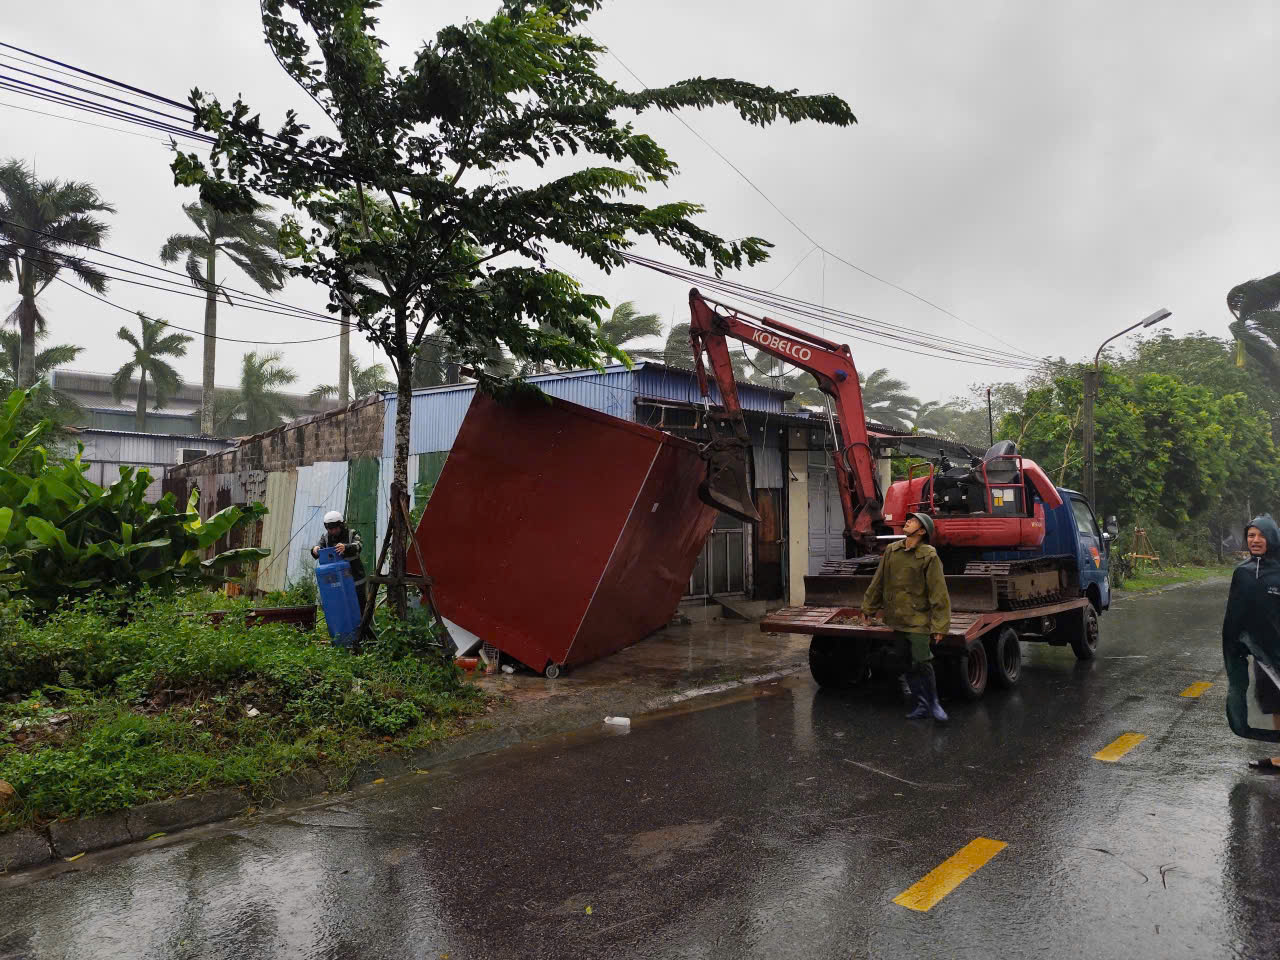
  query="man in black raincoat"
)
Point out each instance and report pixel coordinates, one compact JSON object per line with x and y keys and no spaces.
{"x":1252,"y":627}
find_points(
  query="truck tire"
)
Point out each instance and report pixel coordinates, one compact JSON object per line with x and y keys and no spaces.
{"x":836,"y":664}
{"x":1004,"y":657}
{"x":1084,"y":634}
{"x":969,"y":672}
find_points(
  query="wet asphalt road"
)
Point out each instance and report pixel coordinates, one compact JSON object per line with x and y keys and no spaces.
{"x":775,"y":822}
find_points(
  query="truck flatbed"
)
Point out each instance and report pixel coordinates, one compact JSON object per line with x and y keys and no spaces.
{"x":966,"y":627}
{"x":981,"y":644}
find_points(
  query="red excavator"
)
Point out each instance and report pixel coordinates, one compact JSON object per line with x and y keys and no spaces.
{"x":991,"y":516}
{"x":995,"y":502}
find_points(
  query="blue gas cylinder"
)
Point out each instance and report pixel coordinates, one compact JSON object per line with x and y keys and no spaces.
{"x":338,"y":596}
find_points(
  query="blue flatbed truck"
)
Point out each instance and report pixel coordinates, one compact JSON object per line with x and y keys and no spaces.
{"x":1053,"y":595}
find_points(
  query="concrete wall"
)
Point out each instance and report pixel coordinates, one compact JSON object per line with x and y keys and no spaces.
{"x":340,"y":435}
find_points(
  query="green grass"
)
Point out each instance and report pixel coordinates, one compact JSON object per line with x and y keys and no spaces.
{"x":103,"y":707}
{"x":1152,"y":579}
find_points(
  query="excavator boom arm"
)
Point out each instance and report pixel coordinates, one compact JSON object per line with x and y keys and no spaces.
{"x":831,"y":365}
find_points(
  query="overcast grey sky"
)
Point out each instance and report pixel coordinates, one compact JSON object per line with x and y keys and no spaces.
{"x":1049,"y":172}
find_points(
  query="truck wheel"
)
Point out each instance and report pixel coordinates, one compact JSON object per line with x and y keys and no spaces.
{"x":1004,"y":655}
{"x":1084,"y":634}
{"x":836,"y":664}
{"x":970,"y":672}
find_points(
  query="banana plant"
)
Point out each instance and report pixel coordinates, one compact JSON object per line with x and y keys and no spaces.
{"x":63,"y":535}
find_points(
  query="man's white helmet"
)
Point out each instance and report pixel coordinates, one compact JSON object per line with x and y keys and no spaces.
{"x":333,"y":516}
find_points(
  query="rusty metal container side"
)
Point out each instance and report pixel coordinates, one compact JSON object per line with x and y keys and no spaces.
{"x":650,"y":568}
{"x":560,"y":534}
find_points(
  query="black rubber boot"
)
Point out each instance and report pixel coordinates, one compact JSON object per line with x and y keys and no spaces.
{"x":916,"y":682}
{"x":930,"y":684}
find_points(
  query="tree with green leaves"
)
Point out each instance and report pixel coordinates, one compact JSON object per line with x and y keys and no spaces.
{"x":248,"y":238}
{"x":364,"y":381}
{"x":148,"y":360}
{"x":1169,"y":451}
{"x":45,"y":228}
{"x":432,"y":142}
{"x":259,"y":404}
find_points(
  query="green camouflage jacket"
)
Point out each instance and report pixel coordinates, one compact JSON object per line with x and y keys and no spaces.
{"x":911,"y":590}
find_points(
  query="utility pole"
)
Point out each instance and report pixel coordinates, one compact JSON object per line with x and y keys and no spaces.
{"x":1090,"y":392}
{"x":344,"y":358}
{"x":991,"y":423}
{"x":1091,"y":378}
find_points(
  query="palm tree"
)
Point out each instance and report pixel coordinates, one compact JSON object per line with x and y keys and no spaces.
{"x":249,"y":241}
{"x":64,"y":406}
{"x":364,"y":381}
{"x":1256,"y":307}
{"x":934,"y":416}
{"x":677,"y":353}
{"x":258,"y":403}
{"x":885,"y":399}
{"x":627,"y":324}
{"x":44,"y":224}
{"x":148,"y":361}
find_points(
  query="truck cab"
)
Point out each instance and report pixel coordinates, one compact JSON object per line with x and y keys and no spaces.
{"x":1073,"y":530}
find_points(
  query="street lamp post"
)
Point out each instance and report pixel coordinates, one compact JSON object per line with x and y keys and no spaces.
{"x":1091,"y":394}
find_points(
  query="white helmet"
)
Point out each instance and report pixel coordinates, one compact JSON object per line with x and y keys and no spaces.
{"x":333,"y":516}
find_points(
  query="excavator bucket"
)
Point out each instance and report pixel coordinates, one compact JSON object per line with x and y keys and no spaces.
{"x":726,"y":487}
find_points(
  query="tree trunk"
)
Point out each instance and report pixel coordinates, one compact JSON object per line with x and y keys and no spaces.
{"x":344,"y":359}
{"x":210,"y":345}
{"x":27,"y":331}
{"x":397,"y":596}
{"x":142,"y":400}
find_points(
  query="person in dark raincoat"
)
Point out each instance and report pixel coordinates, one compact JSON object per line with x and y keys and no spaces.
{"x":1251,"y":627}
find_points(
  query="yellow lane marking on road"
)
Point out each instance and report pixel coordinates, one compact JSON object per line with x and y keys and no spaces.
{"x":949,"y":874}
{"x":1118,"y":747}
{"x":1196,"y":689}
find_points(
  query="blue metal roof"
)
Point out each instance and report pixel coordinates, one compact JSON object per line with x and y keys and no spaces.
{"x":438,"y":411}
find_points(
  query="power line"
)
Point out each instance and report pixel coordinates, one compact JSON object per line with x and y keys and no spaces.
{"x":939,"y":347}
{"x":87,"y":123}
{"x":265,"y":301}
{"x":198,"y":333}
{"x":803,"y":232}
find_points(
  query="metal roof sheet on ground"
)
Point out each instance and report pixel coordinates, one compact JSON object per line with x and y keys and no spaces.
{"x":438,"y":412}
{"x":276,"y":526}
{"x":321,"y":487}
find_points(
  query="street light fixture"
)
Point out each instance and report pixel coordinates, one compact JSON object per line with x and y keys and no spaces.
{"x":1091,"y":378}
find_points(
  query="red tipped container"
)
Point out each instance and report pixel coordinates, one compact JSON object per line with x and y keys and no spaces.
{"x":559,"y":534}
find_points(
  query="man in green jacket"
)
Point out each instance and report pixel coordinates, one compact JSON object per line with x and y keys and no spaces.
{"x":911,"y":591}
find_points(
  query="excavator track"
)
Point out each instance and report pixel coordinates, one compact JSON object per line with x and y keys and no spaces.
{"x":1027,"y":583}
{"x":984,"y":585}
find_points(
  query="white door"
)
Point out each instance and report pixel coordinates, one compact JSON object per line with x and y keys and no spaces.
{"x":826,"y":519}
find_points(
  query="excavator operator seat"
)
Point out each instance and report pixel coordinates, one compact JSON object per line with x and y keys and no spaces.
{"x":1001,"y":470}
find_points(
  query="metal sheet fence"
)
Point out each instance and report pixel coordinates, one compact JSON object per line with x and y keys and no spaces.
{"x":321,"y":487}
{"x":276,"y":528}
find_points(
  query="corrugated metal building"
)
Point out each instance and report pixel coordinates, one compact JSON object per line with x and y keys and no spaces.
{"x":105,"y":451}
{"x":344,"y":460}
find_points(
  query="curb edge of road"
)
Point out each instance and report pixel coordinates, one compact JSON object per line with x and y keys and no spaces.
{"x":34,"y":846}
